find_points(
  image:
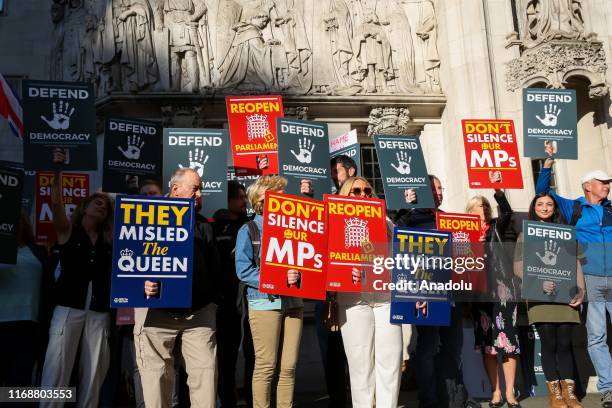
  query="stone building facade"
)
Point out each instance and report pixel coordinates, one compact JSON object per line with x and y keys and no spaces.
{"x":380,"y":66}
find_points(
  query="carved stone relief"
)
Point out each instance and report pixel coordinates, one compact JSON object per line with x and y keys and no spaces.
{"x":389,"y":121}
{"x":299,"y":47}
{"x":554,"y":47}
{"x":182,"y":116}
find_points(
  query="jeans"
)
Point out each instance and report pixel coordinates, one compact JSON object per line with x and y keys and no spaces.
{"x":599,"y":292}
{"x":447,"y":361}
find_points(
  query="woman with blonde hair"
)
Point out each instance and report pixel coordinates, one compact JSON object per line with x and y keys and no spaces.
{"x":495,"y":320}
{"x":373,"y":345}
{"x":81,"y":318}
{"x":275,"y":321}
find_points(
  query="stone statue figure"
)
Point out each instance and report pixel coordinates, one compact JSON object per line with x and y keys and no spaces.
{"x":400,"y":40}
{"x":57,"y":48}
{"x":227,"y":15}
{"x":552,"y":19}
{"x":182,"y":18}
{"x":248,"y":65}
{"x":427,"y":32}
{"x":372,"y":51}
{"x":295,"y":71}
{"x":339,"y":28}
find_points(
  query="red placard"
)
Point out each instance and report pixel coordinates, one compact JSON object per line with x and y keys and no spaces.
{"x":252,"y":123}
{"x":293,"y":237}
{"x":75,"y":187}
{"x":466,"y":247}
{"x":491,"y":154}
{"x":359,"y":230}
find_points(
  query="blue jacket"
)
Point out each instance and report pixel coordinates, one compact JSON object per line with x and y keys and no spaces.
{"x":593,"y":229}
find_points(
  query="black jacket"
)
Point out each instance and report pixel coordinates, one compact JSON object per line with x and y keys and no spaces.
{"x":206,"y":266}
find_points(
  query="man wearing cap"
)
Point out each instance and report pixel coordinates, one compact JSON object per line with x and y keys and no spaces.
{"x":592,"y":216}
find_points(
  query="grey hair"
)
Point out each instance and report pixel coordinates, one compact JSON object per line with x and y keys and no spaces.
{"x":178,"y":174}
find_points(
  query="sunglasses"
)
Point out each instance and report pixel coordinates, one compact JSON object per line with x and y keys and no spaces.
{"x":367,"y":191}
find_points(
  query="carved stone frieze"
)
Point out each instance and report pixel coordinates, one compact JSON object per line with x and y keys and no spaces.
{"x":389,"y":121}
{"x":555,"y":62}
{"x":293,"y":47}
{"x":297,"y":112}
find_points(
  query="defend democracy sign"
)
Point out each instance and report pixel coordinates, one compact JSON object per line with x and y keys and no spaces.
{"x":300,"y":144}
{"x":293,"y":237}
{"x":550,"y":123}
{"x":205,"y":151}
{"x":132,"y":153}
{"x":74,"y":188}
{"x":402,"y":167}
{"x":549,"y":262}
{"x":252,"y":123}
{"x":11,"y":186}
{"x":420,"y":276}
{"x":359,"y":228}
{"x":59,"y":118}
{"x":153,"y":240}
{"x":491,"y":154}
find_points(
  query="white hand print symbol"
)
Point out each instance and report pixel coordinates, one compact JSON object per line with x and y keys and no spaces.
{"x":551,"y":250}
{"x":134,"y":144}
{"x":551,"y":114}
{"x":305,"y":153}
{"x":403,"y":163}
{"x":197,"y":161}
{"x":61,"y":116}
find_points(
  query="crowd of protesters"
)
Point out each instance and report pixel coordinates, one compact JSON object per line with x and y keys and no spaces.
{"x":56,"y":328}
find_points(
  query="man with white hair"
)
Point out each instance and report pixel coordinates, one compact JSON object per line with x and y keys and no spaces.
{"x":156,"y":330}
{"x":592,"y":216}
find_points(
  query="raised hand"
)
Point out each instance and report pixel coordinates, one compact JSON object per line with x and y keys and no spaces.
{"x":305,"y":154}
{"x":61,"y":116}
{"x":551,"y":114}
{"x":403,"y":163}
{"x":551,"y":250}
{"x":197,"y":161}
{"x":134,"y":144}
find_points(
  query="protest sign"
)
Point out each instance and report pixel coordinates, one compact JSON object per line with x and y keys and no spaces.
{"x":491,"y":154}
{"x":132,"y":153}
{"x":205,"y":151}
{"x":403,"y":170}
{"x":300,"y":153}
{"x":550,"y":123}
{"x":59,"y":121}
{"x":29,"y":185}
{"x":74,"y":188}
{"x":11,"y":186}
{"x":421,"y":273}
{"x":359,"y":225}
{"x":467,"y":248}
{"x":153,"y":240}
{"x":293,"y":238}
{"x":252,"y":124}
{"x":346,"y":144}
{"x":549,"y":262}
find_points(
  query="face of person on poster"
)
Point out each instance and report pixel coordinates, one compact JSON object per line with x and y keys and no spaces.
{"x":188,"y":186}
{"x":437,"y":191}
{"x":544,"y":208}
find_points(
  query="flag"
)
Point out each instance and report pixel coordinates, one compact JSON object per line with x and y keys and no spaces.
{"x":10,"y":108}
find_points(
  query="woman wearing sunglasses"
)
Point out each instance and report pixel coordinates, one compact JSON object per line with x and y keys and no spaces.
{"x":373,"y":346}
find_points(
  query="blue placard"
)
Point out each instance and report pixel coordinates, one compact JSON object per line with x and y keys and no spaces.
{"x":153,"y":240}
{"x":423,"y":263}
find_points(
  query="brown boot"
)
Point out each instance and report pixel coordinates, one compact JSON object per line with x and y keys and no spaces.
{"x":567,"y":391}
{"x":555,"y":399}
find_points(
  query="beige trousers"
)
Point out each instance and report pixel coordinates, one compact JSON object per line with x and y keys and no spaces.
{"x":69,"y":329}
{"x":276,"y":338}
{"x":155,"y":334}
